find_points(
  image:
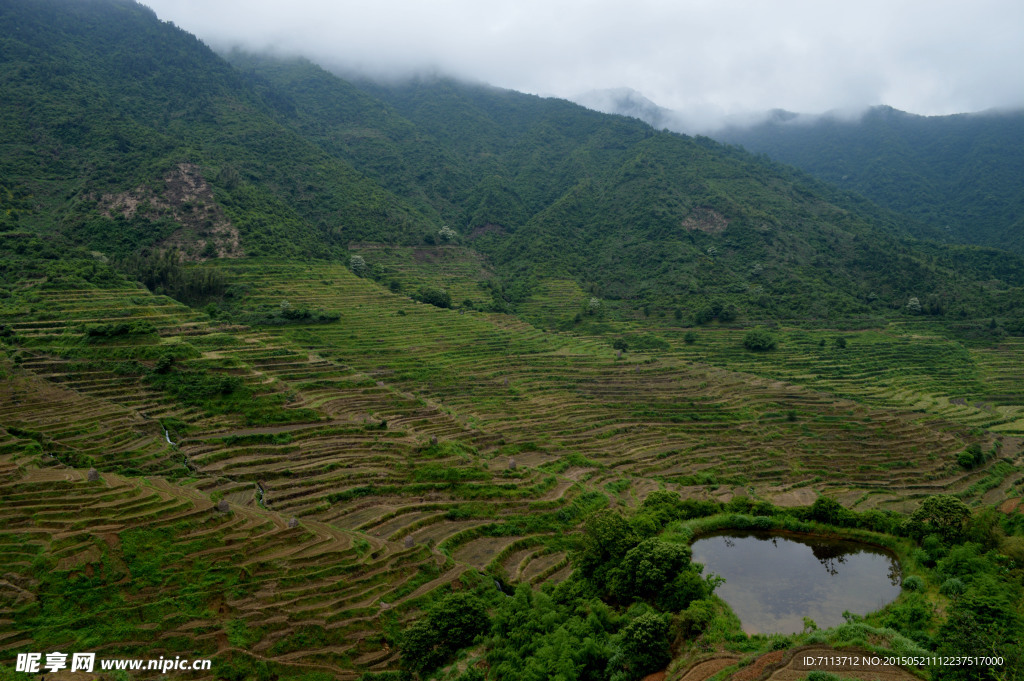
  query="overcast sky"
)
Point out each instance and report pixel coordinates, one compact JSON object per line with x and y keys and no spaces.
{"x":710,"y":56}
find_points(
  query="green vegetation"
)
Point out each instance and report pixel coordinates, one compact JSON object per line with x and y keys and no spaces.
{"x":644,"y":221}
{"x":449,"y":625}
{"x":434,"y":296}
{"x":336,"y":380}
{"x":759,"y":340}
{"x":624,"y":583}
{"x":617,"y":617}
{"x":928,"y":168}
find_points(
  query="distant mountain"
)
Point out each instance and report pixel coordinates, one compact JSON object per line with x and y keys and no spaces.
{"x":626,"y":101}
{"x":126,"y":135}
{"x":959,"y":173}
{"x":664,"y":220}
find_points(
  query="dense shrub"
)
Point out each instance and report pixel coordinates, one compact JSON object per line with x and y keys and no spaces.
{"x":952,"y":587}
{"x":643,"y":648}
{"x":451,"y":624}
{"x":759,"y":340}
{"x":437,"y":297}
{"x":658,"y":572}
{"x":286,"y":314}
{"x":828,"y":510}
{"x":715,"y":310}
{"x":913,"y":583}
{"x":164,"y":272}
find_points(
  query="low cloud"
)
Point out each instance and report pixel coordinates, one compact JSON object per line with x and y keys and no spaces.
{"x":728,"y":57}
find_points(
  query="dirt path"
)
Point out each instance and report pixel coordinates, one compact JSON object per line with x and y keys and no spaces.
{"x":705,"y":669}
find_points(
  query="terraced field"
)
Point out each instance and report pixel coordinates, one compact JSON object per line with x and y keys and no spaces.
{"x":458,"y":270}
{"x":307,"y":485}
{"x":667,"y":419}
{"x":553,"y":302}
{"x":896,"y":368}
{"x":202,"y":579}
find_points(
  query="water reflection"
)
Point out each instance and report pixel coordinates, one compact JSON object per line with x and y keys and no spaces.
{"x":827,"y":554}
{"x":773,"y":582}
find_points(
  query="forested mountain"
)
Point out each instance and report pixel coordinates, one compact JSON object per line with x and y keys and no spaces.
{"x":118,"y":125}
{"x":960,"y":173}
{"x":131,"y":135}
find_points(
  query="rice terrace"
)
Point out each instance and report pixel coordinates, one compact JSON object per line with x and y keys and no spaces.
{"x":318,"y":379}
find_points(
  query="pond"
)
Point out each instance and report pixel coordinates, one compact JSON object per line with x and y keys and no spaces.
{"x":773,"y":582}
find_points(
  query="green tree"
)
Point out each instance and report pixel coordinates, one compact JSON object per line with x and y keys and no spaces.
{"x":985,"y":619}
{"x":942,"y":513}
{"x":437,"y":297}
{"x":453,"y":623}
{"x":759,"y":340}
{"x":643,"y":648}
{"x":607,"y":537}
{"x":648,"y":568}
{"x":662,"y":506}
{"x":358,"y":266}
{"x":828,"y":510}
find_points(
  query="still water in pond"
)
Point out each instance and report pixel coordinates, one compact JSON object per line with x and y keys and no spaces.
{"x":772,"y":582}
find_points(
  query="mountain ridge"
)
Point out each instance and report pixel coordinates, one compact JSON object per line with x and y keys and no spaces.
{"x":955,"y":171}
{"x":299,"y":161}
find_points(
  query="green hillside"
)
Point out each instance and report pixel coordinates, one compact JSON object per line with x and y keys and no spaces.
{"x":664,"y":221}
{"x":320,"y":379}
{"x":126,"y":153}
{"x":959,"y":173}
{"x":548,"y":189}
{"x":129,"y":134}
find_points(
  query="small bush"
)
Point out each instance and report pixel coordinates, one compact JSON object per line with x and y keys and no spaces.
{"x":437,"y":297}
{"x":759,"y":340}
{"x":96,"y":332}
{"x":952,"y":587}
{"x":358,"y":266}
{"x":913,"y":583}
{"x":164,"y":364}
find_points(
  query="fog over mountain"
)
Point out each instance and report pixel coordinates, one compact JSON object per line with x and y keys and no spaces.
{"x":694,"y":121}
{"x":710,"y":60}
